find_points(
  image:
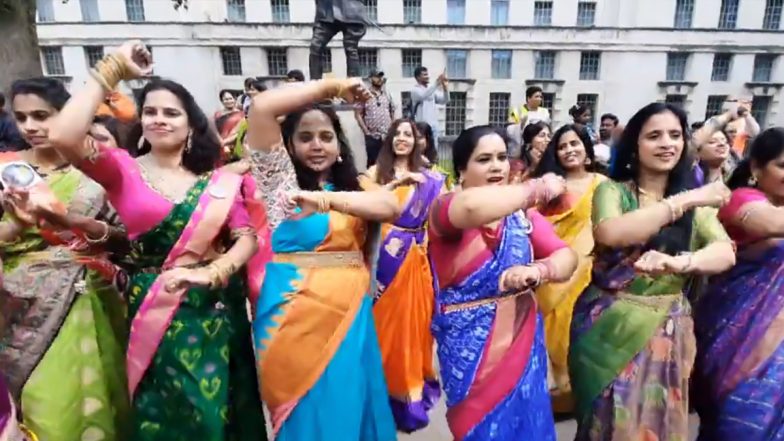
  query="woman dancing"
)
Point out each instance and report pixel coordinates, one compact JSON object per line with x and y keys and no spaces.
{"x":569,"y":155}
{"x":189,"y":361}
{"x":536,"y":137}
{"x":739,"y":321}
{"x":632,"y":345}
{"x":404,"y":293}
{"x":61,"y":325}
{"x":490,"y":249}
{"x":426,"y":145}
{"x":228,"y":119}
{"x":318,"y":356}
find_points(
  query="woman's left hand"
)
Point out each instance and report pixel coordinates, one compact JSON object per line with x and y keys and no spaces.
{"x":657,"y":263}
{"x":184,"y":278}
{"x":309,"y":202}
{"x":519,"y":278}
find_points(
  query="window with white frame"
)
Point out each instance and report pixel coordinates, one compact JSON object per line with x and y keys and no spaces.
{"x":412,"y":58}
{"x":456,"y":113}
{"x":715,"y":105}
{"x":543,"y":13}
{"x":684,"y":12}
{"x":326,"y":60}
{"x":89,"y":10}
{"x":548,"y":101}
{"x":456,"y":63}
{"x":371,"y":8}
{"x":589,"y":100}
{"x":235,"y":11}
{"x":232,"y":60}
{"x":498,"y":108}
{"x":675,"y":99}
{"x":53,"y":60}
{"x":586,"y":13}
{"x":92,"y":55}
{"x":760,"y":106}
{"x":455,"y":12}
{"x":590,"y":64}
{"x":280,"y":11}
{"x":499,"y":12}
{"x":134,"y":9}
{"x":45,"y":9}
{"x":544,"y":65}
{"x":277,"y":61}
{"x":676,"y":66}
{"x":772,"y":19}
{"x":728,"y":14}
{"x":412,"y":11}
{"x":722,"y":64}
{"x":368,"y":60}
{"x":763,"y":68}
{"x":501,"y":64}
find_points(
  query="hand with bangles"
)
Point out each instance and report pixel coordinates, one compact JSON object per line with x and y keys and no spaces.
{"x":308,"y":202}
{"x":522,"y":277}
{"x":352,"y":90}
{"x":656,"y":263}
{"x":544,"y":190}
{"x":210,"y":276}
{"x":406,"y":178}
{"x":135,"y":61}
{"x":715,"y":195}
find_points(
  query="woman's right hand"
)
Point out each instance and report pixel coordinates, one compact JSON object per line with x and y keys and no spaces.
{"x":138,"y":60}
{"x":353,"y":90}
{"x":715,"y":194}
{"x":16,"y":206}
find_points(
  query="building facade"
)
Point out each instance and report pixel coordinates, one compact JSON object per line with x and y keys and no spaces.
{"x":614,"y":55}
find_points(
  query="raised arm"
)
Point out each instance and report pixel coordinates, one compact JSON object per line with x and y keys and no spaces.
{"x":418,"y":95}
{"x":376,"y":205}
{"x":711,"y":126}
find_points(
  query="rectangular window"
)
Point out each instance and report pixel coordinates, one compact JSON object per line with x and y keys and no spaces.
{"x":53,"y":60}
{"x":368,"y":60}
{"x":405,"y":101}
{"x":590,"y":64}
{"x":548,"y":101}
{"x":722,"y":64}
{"x":502,"y":64}
{"x":412,"y":11}
{"x":89,"y":10}
{"x":543,"y":13}
{"x":586,"y":14}
{"x":277,"y":61}
{"x":684,"y":12}
{"x":455,"y":12}
{"x":326,"y":60}
{"x":93,"y":54}
{"x":544,"y":68}
{"x":456,"y":63}
{"x":499,"y":12}
{"x":371,"y":8}
{"x":763,"y":68}
{"x":676,"y":100}
{"x":412,"y":58}
{"x":760,"y":106}
{"x":772,"y":19}
{"x":728,"y":15}
{"x":45,"y":10}
{"x":280,"y":11}
{"x":232,"y":60}
{"x":456,"y":113}
{"x":715,"y":105}
{"x":499,"y":108}
{"x":676,"y":66}
{"x":588,"y":99}
{"x":134,"y":9}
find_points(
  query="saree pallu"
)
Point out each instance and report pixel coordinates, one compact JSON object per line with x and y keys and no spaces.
{"x":556,"y":300}
{"x":739,"y":377}
{"x":61,"y":334}
{"x":319,"y":362}
{"x":404,"y":307}
{"x":201,"y":383}
{"x":227,"y":122}
{"x":491,"y":350}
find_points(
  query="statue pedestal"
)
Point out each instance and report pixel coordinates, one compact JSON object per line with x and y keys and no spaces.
{"x":354,"y":135}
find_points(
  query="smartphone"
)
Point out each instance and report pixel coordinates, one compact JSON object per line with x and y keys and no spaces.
{"x":18,"y":174}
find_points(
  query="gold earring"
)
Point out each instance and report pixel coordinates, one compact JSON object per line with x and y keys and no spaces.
{"x":189,"y":143}
{"x":753,"y":181}
{"x":340,"y":159}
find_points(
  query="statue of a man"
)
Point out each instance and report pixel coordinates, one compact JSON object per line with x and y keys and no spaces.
{"x":333,"y":16}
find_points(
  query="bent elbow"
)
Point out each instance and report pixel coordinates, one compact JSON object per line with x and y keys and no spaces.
{"x":566,"y":259}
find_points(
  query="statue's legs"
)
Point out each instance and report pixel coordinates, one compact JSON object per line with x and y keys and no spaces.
{"x":352,"y":33}
{"x":323,"y":32}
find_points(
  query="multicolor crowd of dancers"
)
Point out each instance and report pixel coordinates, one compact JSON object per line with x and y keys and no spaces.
{"x":154,"y":290}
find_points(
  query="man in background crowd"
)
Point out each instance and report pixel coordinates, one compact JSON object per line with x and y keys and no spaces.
{"x":425,"y":98}
{"x":375,"y":115}
{"x":532,"y":111}
{"x":10,"y":139}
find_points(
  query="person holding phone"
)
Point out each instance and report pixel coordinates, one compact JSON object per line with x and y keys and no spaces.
{"x":425,"y":98}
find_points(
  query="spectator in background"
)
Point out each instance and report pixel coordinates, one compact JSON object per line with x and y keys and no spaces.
{"x":252,"y":88}
{"x":582,"y":116}
{"x":603,"y":150}
{"x":532,"y":111}
{"x":425,"y":98}
{"x":10,"y":140}
{"x":375,"y":115}
{"x":295,"y":76}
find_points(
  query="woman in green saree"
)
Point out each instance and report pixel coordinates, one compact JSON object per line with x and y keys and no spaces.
{"x":61,"y":324}
{"x":632,"y":341}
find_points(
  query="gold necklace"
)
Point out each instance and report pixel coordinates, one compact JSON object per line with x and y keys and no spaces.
{"x":155,"y":176}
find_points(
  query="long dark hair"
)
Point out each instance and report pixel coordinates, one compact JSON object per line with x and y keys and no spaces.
{"x":343,"y":173}
{"x":766,"y":147}
{"x":530,"y":132}
{"x":466,"y":142}
{"x":385,"y":164}
{"x":426,"y":132}
{"x":676,"y":237}
{"x":204,"y":153}
{"x":48,"y":89}
{"x":550,"y":162}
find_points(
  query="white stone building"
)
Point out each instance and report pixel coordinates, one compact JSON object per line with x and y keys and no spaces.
{"x":617,"y":55}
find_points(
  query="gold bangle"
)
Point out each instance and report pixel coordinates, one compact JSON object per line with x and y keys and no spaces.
{"x":101,"y":80}
{"x":676,"y":212}
{"x":324,"y":203}
{"x":104,"y":237}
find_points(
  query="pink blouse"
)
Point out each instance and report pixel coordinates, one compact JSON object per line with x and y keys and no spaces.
{"x":458,"y":253}
{"x":727,"y":213}
{"x":140,"y":207}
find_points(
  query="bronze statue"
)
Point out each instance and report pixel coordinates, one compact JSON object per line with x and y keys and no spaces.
{"x":333,"y":16}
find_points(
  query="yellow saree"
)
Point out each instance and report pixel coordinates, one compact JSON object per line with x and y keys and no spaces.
{"x":556,"y":300}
